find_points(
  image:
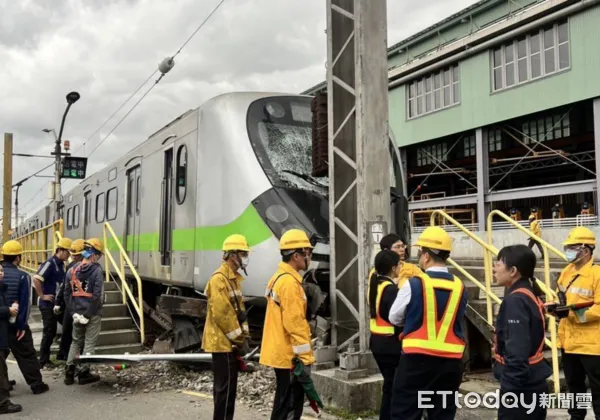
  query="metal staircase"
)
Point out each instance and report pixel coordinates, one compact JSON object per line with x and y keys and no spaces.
{"x":122,"y":328}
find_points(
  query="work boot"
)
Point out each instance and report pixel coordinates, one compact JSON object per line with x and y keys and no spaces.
{"x":40,"y":389}
{"x":70,"y":375}
{"x":8,"y":408}
{"x":86,"y":377}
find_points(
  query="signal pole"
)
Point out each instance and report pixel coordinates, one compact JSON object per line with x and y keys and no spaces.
{"x":7,"y":197}
{"x":359,"y":161}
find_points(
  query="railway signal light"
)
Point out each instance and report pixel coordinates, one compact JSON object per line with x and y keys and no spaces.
{"x":74,"y":167}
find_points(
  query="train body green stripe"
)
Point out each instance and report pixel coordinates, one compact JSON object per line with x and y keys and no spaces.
{"x":204,"y":238}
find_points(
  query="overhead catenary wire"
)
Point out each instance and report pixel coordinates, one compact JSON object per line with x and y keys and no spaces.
{"x":145,"y":82}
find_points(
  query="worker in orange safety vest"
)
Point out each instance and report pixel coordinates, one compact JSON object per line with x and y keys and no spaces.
{"x":286,"y":333}
{"x":431,"y":308}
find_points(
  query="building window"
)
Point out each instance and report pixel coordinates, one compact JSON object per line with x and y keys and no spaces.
{"x":100,"y":208}
{"x":541,"y":53}
{"x":494,"y":140}
{"x":111,"y":204}
{"x":469,"y":145}
{"x":546,"y":128}
{"x":432,"y":154}
{"x":434,"y":92}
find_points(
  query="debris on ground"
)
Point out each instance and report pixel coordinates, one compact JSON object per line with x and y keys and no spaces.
{"x":255,"y":389}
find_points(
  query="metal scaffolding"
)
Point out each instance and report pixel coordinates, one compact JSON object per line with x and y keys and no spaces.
{"x":359,"y":198}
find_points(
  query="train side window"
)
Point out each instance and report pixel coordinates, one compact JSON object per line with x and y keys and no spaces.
{"x":100,"y":208}
{"x":138,"y":195}
{"x":76,"y":216}
{"x":69,"y":218}
{"x":131,"y":194}
{"x":111,"y":204}
{"x":181,"y":173}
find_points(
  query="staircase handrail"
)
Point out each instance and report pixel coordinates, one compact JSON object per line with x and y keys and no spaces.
{"x":546,"y":288}
{"x":138,"y":304}
{"x":487,"y":261}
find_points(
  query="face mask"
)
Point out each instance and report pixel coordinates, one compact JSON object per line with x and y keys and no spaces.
{"x":87,"y":254}
{"x":244,"y":262}
{"x":571,"y":255}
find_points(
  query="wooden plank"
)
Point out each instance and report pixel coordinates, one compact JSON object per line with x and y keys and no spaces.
{"x":182,"y":306}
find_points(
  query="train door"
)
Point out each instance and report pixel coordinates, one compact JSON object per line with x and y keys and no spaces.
{"x":87,"y":212}
{"x":184,"y":210}
{"x":132,"y":240}
{"x":166,"y":210}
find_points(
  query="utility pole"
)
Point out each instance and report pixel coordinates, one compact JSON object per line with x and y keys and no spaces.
{"x":72,"y":97}
{"x":7,"y":201}
{"x":359,"y":161}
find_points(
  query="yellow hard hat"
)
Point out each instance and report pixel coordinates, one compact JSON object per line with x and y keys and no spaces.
{"x":434,"y":237}
{"x":294,"y":239}
{"x":77,"y":247}
{"x":64,"y":243}
{"x":12,"y":248}
{"x":95,"y":243}
{"x":236,"y":242}
{"x":580,"y":235}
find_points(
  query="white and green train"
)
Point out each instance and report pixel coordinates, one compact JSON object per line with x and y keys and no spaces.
{"x":239,"y":163}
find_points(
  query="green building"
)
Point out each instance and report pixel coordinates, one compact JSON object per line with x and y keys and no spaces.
{"x":498,"y":107}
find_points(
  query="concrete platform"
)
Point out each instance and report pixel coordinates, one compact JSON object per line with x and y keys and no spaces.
{"x":351,"y":395}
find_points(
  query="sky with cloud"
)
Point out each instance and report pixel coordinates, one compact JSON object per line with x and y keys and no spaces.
{"x":106,"y":49}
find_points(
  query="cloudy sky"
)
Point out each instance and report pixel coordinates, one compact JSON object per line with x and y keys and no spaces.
{"x":106,"y":49}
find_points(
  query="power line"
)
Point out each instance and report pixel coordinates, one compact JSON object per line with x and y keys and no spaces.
{"x":146,"y":81}
{"x":115,"y":113}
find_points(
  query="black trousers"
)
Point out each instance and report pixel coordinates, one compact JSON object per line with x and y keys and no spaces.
{"x":50,"y":321}
{"x":24,"y":352}
{"x":67,"y":336}
{"x":577,"y":367}
{"x":225,"y":373}
{"x":418,"y":372}
{"x":521,"y":411}
{"x":289,"y":396}
{"x":533,"y":242}
{"x":4,"y":384}
{"x":387,"y":363}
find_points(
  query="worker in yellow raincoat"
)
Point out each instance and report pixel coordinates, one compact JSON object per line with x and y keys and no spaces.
{"x":536,"y":228}
{"x":226,"y":332}
{"x":286,"y":333}
{"x":578,"y":331}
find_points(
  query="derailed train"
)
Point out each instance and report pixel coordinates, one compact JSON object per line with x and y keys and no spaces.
{"x":239,"y":163}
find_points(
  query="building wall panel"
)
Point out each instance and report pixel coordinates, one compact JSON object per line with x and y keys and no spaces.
{"x":480,"y":107}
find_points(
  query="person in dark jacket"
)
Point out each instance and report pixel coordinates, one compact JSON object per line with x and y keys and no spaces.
{"x":18,"y":289}
{"x":520,"y":331}
{"x":384,"y":342}
{"x":46,"y":283}
{"x":85,"y":293}
{"x":6,"y":312}
{"x":60,"y":306}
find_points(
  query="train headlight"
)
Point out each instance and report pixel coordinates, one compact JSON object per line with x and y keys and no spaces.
{"x":277,"y":213}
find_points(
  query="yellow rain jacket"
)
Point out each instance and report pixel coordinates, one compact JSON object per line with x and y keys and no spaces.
{"x":535,"y":227}
{"x":222,"y":327}
{"x":579,"y":332}
{"x":407,"y":271}
{"x":286,"y":332}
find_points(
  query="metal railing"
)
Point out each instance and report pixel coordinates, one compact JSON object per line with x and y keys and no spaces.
{"x":137,"y":303}
{"x":35,"y":245}
{"x":546,"y":286}
{"x":489,"y":252}
{"x":566,"y":223}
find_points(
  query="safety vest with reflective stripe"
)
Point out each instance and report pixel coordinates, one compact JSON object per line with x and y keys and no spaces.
{"x":79,"y":289}
{"x":437,"y":338}
{"x":378,"y":325}
{"x":539,"y":354}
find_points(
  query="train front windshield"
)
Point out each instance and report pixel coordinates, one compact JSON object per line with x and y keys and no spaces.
{"x":280,"y":129}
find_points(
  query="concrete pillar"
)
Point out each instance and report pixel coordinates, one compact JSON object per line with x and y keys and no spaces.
{"x":597,"y":151}
{"x":483,"y":177}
